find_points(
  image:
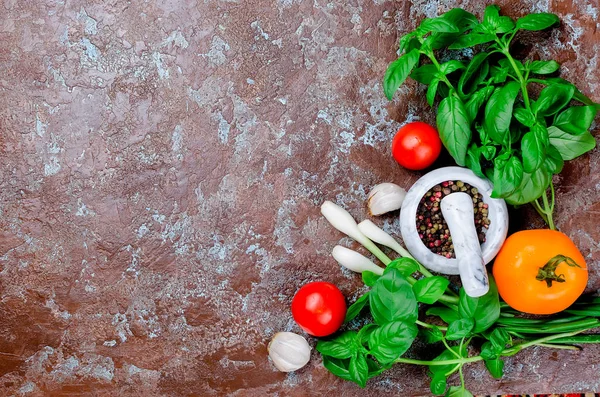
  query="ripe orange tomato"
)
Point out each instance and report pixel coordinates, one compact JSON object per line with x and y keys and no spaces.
{"x":416,"y":145}
{"x":524,"y":272}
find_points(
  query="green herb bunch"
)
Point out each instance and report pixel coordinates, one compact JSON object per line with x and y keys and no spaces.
{"x":457,"y":324}
{"x":487,"y":117}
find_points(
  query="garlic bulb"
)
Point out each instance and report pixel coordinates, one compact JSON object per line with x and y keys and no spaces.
{"x":385,"y":197}
{"x":354,"y":261}
{"x":289,"y":351}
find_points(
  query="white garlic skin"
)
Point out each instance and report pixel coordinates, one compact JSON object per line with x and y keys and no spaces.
{"x":385,"y":197}
{"x":289,"y":351}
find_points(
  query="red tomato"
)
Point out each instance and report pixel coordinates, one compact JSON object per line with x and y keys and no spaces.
{"x":416,"y":145}
{"x":319,"y":308}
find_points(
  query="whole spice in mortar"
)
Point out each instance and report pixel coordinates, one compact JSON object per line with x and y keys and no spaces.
{"x":433,"y":229}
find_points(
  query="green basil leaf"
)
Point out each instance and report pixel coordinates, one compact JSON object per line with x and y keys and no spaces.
{"x":508,"y":173}
{"x":571,"y":146}
{"x":369,"y":278}
{"x":406,"y":266}
{"x":524,"y":116}
{"x":338,"y":367}
{"x":554,"y":162}
{"x":552,"y":99}
{"x":341,"y":346}
{"x":576,"y":119}
{"x":491,"y":16}
{"x":539,"y":21}
{"x":355,"y":309}
{"x":454,"y":127}
{"x":473,"y":160}
{"x":533,"y":151}
{"x":438,"y":383}
{"x":441,"y":40}
{"x":451,"y":66}
{"x":532,"y":186}
{"x":458,"y":391}
{"x":476,"y":100}
{"x":505,"y":24}
{"x":541,"y":134}
{"x":424,"y":74}
{"x":429,"y":289}
{"x":389,"y":342}
{"x":439,"y":24}
{"x":431,"y":91}
{"x":488,"y":352}
{"x":577,"y":96}
{"x":544,"y":67}
{"x":359,"y":370}
{"x":471,"y":40}
{"x":489,"y":152}
{"x":446,"y":314}
{"x":480,"y":77}
{"x":499,"y":339}
{"x":431,"y":335}
{"x":495,"y":367}
{"x":484,"y":310}
{"x":414,"y":44}
{"x":398,"y":71}
{"x":471,"y":69}
{"x":392,"y":299}
{"x":460,"y":328}
{"x":499,"y":74}
{"x":405,"y":40}
{"x":498,"y":112}
{"x":365,"y":333}
{"x":462,"y":19}
{"x":443,"y":91}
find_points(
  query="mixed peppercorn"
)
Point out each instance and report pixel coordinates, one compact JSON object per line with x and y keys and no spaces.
{"x":433,"y":229}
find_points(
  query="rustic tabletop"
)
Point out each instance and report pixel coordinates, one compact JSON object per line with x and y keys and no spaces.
{"x":162,"y":168}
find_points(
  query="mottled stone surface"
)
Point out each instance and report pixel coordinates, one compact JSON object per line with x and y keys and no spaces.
{"x":161,"y":170}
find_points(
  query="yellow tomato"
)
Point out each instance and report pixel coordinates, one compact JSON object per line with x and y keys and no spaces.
{"x":540,"y":271}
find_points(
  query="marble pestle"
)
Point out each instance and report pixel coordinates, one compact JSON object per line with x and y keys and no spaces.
{"x":457,"y":209}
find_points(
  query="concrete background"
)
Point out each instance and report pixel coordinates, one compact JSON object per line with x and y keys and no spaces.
{"x":161,"y":169}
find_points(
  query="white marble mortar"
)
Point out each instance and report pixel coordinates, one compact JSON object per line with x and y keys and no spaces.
{"x":497,"y":214}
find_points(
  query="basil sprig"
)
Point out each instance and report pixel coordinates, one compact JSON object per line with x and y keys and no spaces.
{"x":363,"y":350}
{"x":487,"y":117}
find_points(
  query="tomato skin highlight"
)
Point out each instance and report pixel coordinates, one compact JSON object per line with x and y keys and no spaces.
{"x":416,"y":145}
{"x":319,"y":308}
{"x":517,"y":265}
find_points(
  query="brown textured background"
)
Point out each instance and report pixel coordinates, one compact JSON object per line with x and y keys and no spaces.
{"x":162,"y":164}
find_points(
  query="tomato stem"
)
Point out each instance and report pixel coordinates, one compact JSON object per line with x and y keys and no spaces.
{"x":548,"y":274}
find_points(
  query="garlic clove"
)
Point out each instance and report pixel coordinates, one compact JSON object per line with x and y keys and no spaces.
{"x":384,"y":198}
{"x":289,"y":351}
{"x":354,"y":261}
